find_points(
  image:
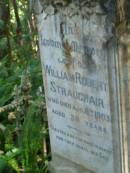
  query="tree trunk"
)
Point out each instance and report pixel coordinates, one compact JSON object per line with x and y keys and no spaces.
{"x":4,"y":31}
{"x":19,"y":28}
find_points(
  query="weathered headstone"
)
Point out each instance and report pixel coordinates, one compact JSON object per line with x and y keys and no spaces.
{"x":85,"y":81}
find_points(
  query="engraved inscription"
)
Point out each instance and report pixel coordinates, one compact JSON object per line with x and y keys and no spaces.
{"x":77,"y":91}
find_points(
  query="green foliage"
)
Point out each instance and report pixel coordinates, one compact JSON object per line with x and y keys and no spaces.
{"x":32,"y":138}
{"x":3,"y":44}
{"x":8,"y":162}
{"x":23,"y":129}
{"x":9,"y":77}
{"x":1,"y":24}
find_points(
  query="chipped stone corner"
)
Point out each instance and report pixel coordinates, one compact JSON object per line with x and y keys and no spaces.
{"x":98,"y":9}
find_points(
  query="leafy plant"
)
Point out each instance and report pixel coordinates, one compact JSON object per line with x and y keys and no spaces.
{"x":31,"y":138}
{"x":9,"y":163}
{"x":22,"y":103}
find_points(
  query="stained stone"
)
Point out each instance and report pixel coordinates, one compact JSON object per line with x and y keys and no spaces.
{"x":86,"y":85}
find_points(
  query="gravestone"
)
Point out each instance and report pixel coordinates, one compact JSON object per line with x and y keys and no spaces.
{"x":85,"y":79}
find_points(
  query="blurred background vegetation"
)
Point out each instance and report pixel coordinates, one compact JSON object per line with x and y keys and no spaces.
{"x":24,"y":142}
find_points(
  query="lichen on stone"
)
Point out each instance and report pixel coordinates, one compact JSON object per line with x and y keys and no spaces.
{"x":59,"y":5}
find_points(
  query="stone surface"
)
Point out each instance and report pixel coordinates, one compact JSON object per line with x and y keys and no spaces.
{"x":60,"y":164}
{"x":86,"y":86}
